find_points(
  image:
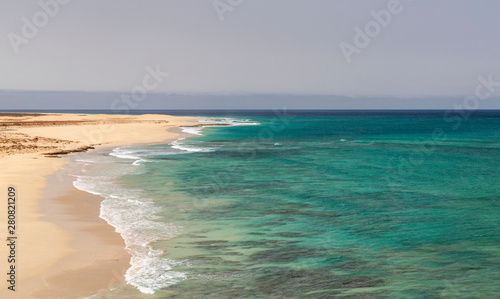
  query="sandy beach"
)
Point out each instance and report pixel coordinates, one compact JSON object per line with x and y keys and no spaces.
{"x":61,"y":240}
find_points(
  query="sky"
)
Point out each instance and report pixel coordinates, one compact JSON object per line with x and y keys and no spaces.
{"x":434,"y":52}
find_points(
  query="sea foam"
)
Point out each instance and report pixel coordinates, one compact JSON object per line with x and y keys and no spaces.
{"x":133,"y":217}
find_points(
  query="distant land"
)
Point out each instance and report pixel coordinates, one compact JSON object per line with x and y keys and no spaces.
{"x":123,"y":102}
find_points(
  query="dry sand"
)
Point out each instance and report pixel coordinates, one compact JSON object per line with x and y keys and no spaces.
{"x":64,"y":250}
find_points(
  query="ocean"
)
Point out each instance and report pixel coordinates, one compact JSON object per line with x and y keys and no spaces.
{"x":304,"y":204}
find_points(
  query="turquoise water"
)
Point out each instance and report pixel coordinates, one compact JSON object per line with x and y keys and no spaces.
{"x":302,"y":206}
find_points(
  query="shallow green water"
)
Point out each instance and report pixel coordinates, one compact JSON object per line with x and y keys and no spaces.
{"x":312,"y":207}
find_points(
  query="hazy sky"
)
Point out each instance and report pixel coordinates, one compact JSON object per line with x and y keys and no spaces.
{"x":427,"y":48}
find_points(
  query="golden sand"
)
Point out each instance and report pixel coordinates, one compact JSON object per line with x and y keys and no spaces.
{"x":64,"y":250}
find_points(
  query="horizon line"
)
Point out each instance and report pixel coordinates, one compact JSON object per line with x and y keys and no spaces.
{"x":242,"y":94}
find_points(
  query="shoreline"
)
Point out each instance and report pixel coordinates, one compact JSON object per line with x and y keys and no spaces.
{"x":99,"y":256}
{"x":60,"y":236}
